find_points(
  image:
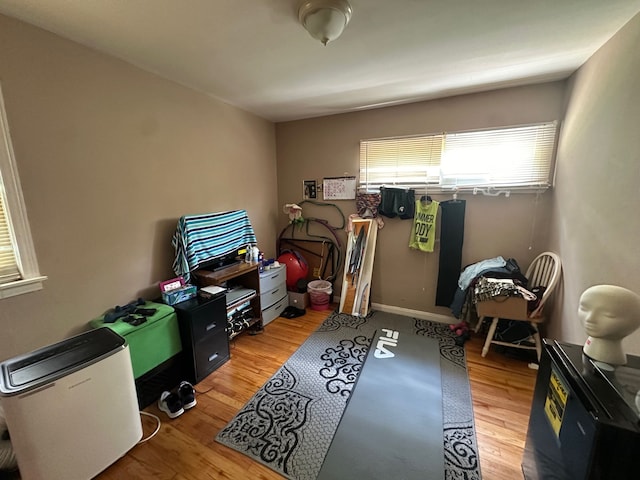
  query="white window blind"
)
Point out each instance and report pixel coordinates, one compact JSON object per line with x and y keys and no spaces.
{"x":410,"y":161}
{"x":8,"y":265}
{"x":19,"y":271}
{"x":508,"y":157}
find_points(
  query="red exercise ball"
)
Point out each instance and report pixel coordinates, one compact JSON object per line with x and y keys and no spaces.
{"x":297,"y":268}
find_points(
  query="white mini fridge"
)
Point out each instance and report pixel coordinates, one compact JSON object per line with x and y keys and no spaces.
{"x":71,"y":408}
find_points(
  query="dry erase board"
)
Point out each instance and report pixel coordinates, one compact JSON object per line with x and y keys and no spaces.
{"x":339,"y":188}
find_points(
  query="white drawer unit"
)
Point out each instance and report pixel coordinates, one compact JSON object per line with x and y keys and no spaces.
{"x":271,"y":313}
{"x":273,"y":293}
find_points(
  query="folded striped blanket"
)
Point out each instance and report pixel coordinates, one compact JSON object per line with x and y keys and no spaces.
{"x":203,"y":238}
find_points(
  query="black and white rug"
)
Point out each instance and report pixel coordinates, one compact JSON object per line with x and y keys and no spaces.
{"x":289,"y":423}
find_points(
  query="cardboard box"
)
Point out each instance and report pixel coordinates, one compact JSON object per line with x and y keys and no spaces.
{"x":513,"y":308}
{"x":298,"y":300}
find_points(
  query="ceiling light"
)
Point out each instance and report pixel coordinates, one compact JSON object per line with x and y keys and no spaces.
{"x":324,"y":19}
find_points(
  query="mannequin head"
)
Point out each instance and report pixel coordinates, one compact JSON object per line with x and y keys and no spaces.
{"x":608,"y":313}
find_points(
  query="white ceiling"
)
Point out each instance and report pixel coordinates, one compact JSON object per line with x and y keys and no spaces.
{"x":255,"y":55}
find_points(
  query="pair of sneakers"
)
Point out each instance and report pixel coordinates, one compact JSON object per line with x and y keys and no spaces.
{"x":175,"y":403}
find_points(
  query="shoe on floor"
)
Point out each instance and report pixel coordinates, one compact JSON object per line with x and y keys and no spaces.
{"x":170,"y":404}
{"x":187,"y":395}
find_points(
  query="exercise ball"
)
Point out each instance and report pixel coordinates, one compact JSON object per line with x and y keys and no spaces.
{"x":297,"y":268}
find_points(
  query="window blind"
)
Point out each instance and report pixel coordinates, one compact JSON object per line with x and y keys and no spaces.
{"x":19,"y":272}
{"x":519,"y":156}
{"x":8,"y":265}
{"x":406,"y":161}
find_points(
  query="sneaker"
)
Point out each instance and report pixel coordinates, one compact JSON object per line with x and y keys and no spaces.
{"x":187,"y":395}
{"x":170,"y":404}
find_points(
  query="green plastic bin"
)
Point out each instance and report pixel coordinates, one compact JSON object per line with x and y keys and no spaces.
{"x":151,"y":342}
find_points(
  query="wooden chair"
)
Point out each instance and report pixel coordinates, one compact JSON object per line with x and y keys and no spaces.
{"x":544,"y":271}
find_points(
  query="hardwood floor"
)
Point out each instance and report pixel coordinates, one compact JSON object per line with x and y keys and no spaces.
{"x":185,"y":449}
{"x":502,"y":390}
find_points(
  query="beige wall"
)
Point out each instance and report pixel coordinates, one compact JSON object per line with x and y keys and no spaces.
{"x":102,"y":146}
{"x":512,"y":227}
{"x":109,"y":157}
{"x":595,"y":222}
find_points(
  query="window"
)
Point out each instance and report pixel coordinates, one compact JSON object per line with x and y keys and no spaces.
{"x":515,"y":158}
{"x":8,"y":263}
{"x":18,"y":265}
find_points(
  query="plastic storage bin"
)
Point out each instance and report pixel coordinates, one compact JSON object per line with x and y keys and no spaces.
{"x":151,"y":342}
{"x":319,"y":294}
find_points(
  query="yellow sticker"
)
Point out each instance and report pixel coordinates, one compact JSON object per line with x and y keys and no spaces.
{"x":556,"y":401}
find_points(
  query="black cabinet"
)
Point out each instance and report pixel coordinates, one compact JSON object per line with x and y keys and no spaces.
{"x":205,"y":343}
{"x":584,"y":417}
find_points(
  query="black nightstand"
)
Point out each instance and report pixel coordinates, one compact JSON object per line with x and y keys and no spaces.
{"x":205,"y":343}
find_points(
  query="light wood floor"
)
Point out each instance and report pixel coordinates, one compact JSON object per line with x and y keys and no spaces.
{"x":184,"y":448}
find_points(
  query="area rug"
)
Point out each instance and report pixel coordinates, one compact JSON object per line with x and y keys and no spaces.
{"x":289,"y":423}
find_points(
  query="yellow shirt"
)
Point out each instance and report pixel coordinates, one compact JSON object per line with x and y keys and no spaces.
{"x":424,"y":226}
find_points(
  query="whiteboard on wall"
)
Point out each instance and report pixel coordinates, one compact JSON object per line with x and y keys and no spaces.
{"x":339,"y":188}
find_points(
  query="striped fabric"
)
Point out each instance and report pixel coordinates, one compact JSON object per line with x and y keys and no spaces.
{"x":202,"y":238}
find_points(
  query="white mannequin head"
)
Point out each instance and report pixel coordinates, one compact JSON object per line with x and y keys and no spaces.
{"x":608,"y":313}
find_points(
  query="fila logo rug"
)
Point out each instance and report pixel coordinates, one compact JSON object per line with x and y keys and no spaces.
{"x":390,"y":339}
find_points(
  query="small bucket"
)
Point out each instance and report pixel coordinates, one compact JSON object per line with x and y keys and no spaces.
{"x":319,"y":294}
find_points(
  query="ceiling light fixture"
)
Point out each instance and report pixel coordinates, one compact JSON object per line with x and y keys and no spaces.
{"x":324,"y":19}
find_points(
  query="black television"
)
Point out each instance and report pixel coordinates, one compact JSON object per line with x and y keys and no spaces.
{"x":225,"y":261}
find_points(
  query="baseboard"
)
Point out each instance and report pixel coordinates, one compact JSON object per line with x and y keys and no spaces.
{"x":434,"y":317}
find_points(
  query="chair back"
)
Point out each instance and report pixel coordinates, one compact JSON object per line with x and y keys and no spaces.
{"x":544,"y":271}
